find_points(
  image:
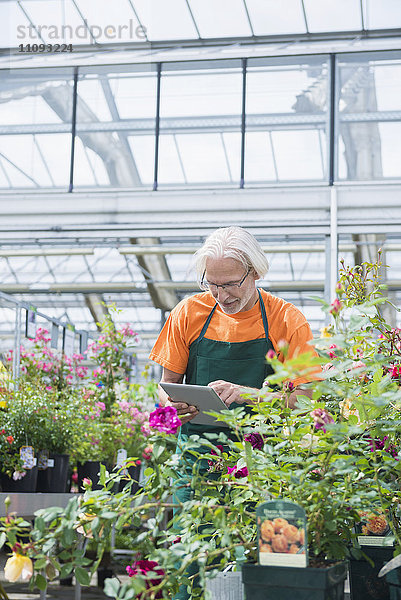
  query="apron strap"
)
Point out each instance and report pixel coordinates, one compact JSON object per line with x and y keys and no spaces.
{"x":264,"y":317}
{"x":206,"y":325}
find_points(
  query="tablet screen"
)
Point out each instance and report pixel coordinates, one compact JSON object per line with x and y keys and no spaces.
{"x":201,"y":396}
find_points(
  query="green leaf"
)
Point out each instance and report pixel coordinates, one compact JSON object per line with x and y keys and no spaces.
{"x":82,"y":576}
{"x":40,"y":564}
{"x":158,"y":449}
{"x":68,"y":537}
{"x":111,"y":587}
{"x":41,"y":582}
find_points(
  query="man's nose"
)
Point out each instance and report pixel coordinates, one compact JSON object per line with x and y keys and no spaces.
{"x":221,"y":294}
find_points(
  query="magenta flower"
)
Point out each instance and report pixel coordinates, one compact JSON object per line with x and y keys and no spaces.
{"x":255,"y":439}
{"x":165,"y":419}
{"x":380,"y":444}
{"x":241,"y":473}
{"x":142,"y":567}
{"x":321,"y":418}
{"x":335,"y":307}
{"x":270,"y":354}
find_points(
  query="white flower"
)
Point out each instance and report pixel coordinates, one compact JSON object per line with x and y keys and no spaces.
{"x":18,"y":475}
{"x":18,"y":566}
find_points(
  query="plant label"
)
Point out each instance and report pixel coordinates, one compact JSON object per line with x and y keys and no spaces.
{"x":282,"y":534}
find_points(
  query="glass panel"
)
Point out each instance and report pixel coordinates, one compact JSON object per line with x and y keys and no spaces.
{"x":271,"y":17}
{"x":200,"y":126}
{"x":370,"y":118}
{"x":259,"y":160}
{"x":165,"y":20}
{"x":333,"y":15}
{"x":382,"y":15}
{"x":170,"y":165}
{"x":203,"y":158}
{"x":143,"y":151}
{"x":286,"y":109}
{"x":89,"y":169}
{"x":298,"y":155}
{"x":13,"y":25}
{"x":186,"y":94}
{"x":111,"y":22}
{"x":34,"y":102}
{"x":220,"y":18}
{"x":30,"y":161}
{"x":121,"y":154}
{"x":56,"y":22}
{"x":287,"y":89}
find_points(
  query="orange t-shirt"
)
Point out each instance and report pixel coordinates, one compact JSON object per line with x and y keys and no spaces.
{"x":186,"y":320}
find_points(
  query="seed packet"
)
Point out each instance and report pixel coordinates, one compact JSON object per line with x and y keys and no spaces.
{"x":282,"y":534}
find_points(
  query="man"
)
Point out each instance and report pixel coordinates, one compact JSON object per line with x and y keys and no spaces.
{"x":221,"y":336}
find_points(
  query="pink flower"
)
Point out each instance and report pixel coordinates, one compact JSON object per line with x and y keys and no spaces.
{"x":332,"y":354}
{"x":165,"y":419}
{"x":335,"y":307}
{"x":101,"y":405}
{"x":86,"y":482}
{"x":321,"y":418}
{"x":270,"y":354}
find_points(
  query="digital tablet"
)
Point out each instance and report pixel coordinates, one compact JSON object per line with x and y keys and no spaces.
{"x":201,"y":396}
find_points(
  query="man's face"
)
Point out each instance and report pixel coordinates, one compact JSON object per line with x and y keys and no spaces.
{"x":231,"y":299}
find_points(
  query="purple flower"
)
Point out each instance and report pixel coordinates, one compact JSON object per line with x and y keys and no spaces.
{"x":380,"y":444}
{"x":142,"y":567}
{"x":238,"y":473}
{"x":165,"y":419}
{"x":321,"y":418}
{"x":255,"y":439}
{"x":241,"y":473}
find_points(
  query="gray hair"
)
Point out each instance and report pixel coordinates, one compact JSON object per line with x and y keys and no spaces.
{"x":232,"y":242}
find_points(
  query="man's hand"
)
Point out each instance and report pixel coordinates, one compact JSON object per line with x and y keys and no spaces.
{"x":185,"y":412}
{"x":229,"y":392}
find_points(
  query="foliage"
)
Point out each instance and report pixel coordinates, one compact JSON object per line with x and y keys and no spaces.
{"x":47,"y":370}
{"x":110,"y":353}
{"x":336,"y":454}
{"x":70,"y":410}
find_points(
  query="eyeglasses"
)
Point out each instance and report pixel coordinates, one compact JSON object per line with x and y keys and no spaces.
{"x":213,"y":287}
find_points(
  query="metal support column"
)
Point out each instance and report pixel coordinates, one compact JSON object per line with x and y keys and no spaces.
{"x":17,"y":346}
{"x":333,"y":243}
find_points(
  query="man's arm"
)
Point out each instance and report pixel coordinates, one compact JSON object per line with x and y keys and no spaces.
{"x":165,"y":400}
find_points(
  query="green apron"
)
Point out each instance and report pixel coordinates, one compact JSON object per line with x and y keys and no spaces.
{"x":243,"y":363}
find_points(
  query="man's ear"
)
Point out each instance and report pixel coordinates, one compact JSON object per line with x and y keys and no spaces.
{"x":253,"y":274}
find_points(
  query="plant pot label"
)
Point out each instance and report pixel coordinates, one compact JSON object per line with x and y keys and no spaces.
{"x":282,"y":537}
{"x":28,"y":457}
{"x":373,"y":529}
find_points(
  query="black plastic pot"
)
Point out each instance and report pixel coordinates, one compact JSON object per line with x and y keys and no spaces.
{"x":363,"y":580}
{"x":26,"y":484}
{"x":54,"y":479}
{"x":286,"y":583}
{"x":90,"y":470}
{"x":134,"y":473}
